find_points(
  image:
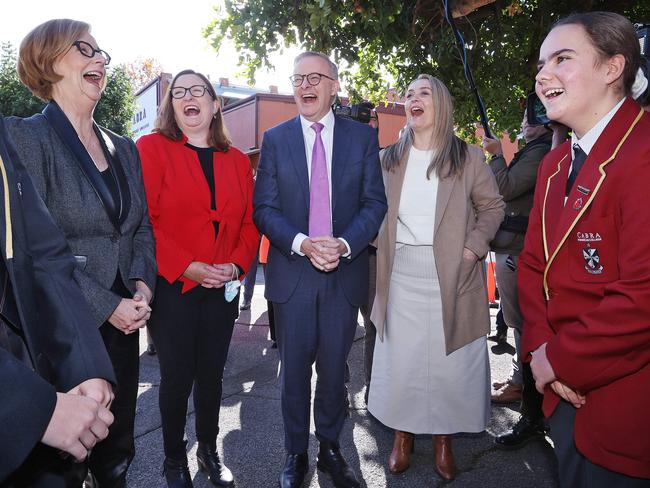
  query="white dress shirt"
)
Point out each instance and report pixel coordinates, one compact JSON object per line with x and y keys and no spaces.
{"x":587,"y":141}
{"x":309,"y":137}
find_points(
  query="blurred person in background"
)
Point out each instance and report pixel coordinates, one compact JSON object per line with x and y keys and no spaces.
{"x":516,"y":182}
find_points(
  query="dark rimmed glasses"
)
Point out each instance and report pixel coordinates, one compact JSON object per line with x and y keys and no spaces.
{"x":312,"y":78}
{"x":196,"y":91}
{"x":89,"y":51}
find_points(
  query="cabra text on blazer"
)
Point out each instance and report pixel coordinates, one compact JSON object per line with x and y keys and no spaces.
{"x":584,"y":289}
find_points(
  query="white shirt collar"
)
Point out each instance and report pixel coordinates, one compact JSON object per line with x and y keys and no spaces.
{"x":587,"y":141}
{"x":327,"y":121}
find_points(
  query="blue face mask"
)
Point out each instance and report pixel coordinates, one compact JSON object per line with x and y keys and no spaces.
{"x":231,"y":290}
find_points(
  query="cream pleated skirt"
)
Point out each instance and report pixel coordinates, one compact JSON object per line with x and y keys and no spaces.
{"x":415,"y":386}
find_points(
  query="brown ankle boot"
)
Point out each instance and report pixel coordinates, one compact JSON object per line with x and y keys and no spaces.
{"x":400,"y":457}
{"x":445,"y":465}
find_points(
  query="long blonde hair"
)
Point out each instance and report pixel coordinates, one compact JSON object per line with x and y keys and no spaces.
{"x":446,"y":146}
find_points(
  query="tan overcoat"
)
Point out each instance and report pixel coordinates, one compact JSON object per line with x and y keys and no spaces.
{"x":469,"y":211}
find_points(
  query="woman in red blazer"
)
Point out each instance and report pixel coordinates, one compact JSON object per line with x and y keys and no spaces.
{"x":199,"y":190}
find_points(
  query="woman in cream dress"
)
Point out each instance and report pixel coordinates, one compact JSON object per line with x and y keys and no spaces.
{"x":431,"y":370}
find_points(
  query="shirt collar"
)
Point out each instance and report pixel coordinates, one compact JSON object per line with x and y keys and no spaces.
{"x":587,"y":141}
{"x":327,"y":121}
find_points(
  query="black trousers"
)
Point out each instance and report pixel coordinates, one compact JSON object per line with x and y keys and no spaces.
{"x":370,"y":331}
{"x":44,"y":468}
{"x":531,"y":399}
{"x":192,"y":333}
{"x":575,"y":470}
{"x":110,"y":459}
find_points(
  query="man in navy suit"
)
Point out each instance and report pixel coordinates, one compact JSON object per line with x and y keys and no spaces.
{"x":319,"y":198}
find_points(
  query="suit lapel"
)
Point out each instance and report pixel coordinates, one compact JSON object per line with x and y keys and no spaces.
{"x":339,"y":150}
{"x":6,"y":232}
{"x":445,"y":187}
{"x":554,"y":201}
{"x":394,"y":184}
{"x":6,"y":227}
{"x":587,"y":184}
{"x":298,"y":158}
{"x":124,"y":203}
{"x":66,"y":132}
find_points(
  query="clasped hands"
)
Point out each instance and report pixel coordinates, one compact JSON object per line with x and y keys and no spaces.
{"x":544,"y":375}
{"x":211,"y":275}
{"x":324,"y":252}
{"x":133,"y":313}
{"x":81,"y":418}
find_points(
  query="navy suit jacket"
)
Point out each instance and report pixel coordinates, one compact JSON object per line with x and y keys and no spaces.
{"x":281,"y":204}
{"x":43,"y":309}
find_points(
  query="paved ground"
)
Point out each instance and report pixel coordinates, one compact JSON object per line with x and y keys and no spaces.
{"x":251,"y":438}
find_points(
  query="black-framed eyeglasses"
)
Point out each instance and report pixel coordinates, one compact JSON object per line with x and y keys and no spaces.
{"x":196,"y":91}
{"x":89,"y":51}
{"x":312,"y":78}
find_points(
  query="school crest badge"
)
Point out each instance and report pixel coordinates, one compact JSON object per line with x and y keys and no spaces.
{"x":592,"y":260}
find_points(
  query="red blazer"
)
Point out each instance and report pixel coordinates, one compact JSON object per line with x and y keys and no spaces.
{"x":179,"y":205}
{"x":584,"y":288}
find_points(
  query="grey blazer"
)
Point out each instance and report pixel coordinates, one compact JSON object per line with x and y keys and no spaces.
{"x":101,"y":246}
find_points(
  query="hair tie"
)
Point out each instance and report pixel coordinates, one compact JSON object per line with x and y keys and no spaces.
{"x":640,"y":84}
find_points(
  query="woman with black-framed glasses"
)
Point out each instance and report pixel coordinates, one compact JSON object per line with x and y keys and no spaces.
{"x":87,"y":49}
{"x":200,"y":194}
{"x":91,"y":181}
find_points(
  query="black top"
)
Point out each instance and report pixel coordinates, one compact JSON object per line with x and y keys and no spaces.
{"x":206,"y":158}
{"x":109,"y":179}
{"x":118,"y":285}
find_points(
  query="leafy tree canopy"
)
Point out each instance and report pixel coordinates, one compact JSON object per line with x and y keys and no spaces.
{"x":397,"y":39}
{"x":114,"y":111}
{"x":142,"y":71}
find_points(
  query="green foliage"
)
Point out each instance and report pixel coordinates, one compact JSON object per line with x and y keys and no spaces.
{"x":114,"y":111}
{"x":116,"y":108}
{"x":15,"y":98}
{"x":397,"y":39}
